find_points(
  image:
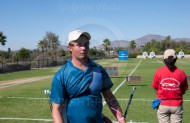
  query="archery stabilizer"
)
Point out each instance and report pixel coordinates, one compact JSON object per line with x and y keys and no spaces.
{"x":47,"y":93}
{"x":129,"y":102}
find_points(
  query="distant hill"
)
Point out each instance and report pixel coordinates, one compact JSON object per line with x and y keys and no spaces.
{"x":139,"y":42}
{"x":116,"y":43}
{"x":143,"y":40}
{"x":147,"y":38}
{"x":182,"y":39}
{"x":120,"y":43}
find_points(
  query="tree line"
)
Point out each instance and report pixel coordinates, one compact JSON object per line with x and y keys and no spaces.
{"x":160,"y":46}
{"x":49,"y":47}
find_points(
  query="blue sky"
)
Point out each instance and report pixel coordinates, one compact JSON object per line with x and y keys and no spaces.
{"x":25,"y":22}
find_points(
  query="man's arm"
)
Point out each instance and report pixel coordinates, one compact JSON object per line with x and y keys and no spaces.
{"x":184,"y":85}
{"x":156,"y":91}
{"x":113,"y":105}
{"x":56,"y":113}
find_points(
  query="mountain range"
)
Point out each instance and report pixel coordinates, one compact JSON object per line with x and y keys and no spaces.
{"x":141,"y":41}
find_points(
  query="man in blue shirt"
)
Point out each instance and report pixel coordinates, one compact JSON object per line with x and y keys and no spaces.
{"x":80,"y":83}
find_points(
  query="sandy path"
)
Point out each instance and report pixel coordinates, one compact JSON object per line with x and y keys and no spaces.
{"x":5,"y":84}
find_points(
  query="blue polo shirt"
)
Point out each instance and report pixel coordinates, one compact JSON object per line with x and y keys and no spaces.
{"x":82,"y":90}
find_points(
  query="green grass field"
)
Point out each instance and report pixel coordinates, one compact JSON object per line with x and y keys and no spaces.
{"x":29,"y":104}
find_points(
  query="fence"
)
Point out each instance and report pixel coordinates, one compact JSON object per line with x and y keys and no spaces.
{"x":7,"y":67}
{"x":27,"y":65}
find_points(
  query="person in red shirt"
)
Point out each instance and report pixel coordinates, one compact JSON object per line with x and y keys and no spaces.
{"x":170,"y":84}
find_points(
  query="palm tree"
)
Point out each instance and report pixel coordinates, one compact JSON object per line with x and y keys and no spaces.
{"x":2,"y":39}
{"x":167,"y":40}
{"x":42,"y":44}
{"x":9,"y":54}
{"x":106,"y":44}
{"x":133,"y":44}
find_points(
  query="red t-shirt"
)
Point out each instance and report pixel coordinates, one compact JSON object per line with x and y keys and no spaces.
{"x":170,"y":86}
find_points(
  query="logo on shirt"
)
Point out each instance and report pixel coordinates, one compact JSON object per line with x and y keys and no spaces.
{"x":170,"y":84}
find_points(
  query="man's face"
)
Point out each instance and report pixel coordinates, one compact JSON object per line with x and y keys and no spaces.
{"x":79,"y":48}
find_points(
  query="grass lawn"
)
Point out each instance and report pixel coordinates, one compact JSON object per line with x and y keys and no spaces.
{"x":28,"y":100}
